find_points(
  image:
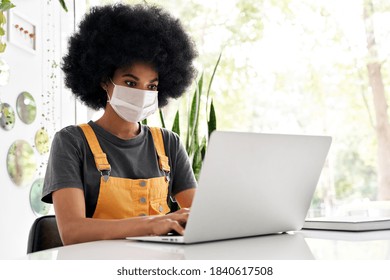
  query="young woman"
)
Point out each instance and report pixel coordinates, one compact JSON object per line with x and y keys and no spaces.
{"x":113,"y":178}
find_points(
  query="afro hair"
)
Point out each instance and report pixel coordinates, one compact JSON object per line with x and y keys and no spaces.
{"x":114,"y":36}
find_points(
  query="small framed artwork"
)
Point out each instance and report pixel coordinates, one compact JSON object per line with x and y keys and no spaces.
{"x":21,"y":32}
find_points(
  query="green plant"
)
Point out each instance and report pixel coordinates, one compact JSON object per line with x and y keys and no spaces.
{"x":195,"y":143}
{"x":63,"y":5}
{"x":5,"y":5}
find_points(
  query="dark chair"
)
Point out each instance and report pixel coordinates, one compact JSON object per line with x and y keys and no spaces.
{"x":43,"y":234}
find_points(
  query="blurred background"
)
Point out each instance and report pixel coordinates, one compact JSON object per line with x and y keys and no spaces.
{"x":289,"y":66}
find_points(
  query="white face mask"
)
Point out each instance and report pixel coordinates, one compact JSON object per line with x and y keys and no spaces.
{"x":131,"y":104}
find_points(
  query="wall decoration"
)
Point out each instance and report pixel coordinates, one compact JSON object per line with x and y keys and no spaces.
{"x":26,"y":107}
{"x":38,"y":207}
{"x":21,"y":32}
{"x":21,"y":163}
{"x":4,"y":72}
{"x":51,"y":72}
{"x":7,"y":116}
{"x":42,"y":141}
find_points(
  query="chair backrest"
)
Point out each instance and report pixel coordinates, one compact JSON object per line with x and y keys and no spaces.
{"x":43,"y":234}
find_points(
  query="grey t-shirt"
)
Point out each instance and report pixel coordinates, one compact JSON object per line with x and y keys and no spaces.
{"x":71,"y":163}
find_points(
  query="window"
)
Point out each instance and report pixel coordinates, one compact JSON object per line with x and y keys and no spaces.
{"x":304,"y":67}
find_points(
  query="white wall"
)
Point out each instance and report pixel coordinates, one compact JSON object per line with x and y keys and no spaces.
{"x":39,"y":74}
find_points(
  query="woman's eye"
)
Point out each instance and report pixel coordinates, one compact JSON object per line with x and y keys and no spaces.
{"x":131,"y":84}
{"x":153,"y":87}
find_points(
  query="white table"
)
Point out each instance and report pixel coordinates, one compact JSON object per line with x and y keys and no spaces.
{"x":301,"y":245}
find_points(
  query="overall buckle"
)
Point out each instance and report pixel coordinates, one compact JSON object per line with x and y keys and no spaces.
{"x":105,"y":174}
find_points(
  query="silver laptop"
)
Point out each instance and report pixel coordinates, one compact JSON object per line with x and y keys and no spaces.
{"x":253,"y":184}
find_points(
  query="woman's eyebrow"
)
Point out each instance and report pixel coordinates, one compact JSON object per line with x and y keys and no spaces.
{"x":131,"y":76}
{"x":137,"y":79}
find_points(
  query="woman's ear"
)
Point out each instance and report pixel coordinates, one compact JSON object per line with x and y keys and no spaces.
{"x":104,"y":86}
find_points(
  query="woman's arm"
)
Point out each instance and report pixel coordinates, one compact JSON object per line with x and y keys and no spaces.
{"x":184,"y":198}
{"x":75,"y":227}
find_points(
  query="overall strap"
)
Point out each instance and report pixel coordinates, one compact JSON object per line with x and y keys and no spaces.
{"x":159,"y":145}
{"x":100,"y":157}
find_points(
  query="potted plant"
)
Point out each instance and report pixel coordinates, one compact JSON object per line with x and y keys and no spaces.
{"x":195,"y":143}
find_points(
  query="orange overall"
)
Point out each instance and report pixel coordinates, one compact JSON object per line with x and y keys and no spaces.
{"x":124,"y":198}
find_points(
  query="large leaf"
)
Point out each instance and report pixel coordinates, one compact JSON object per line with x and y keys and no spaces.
{"x":193,"y":119}
{"x":176,"y":123}
{"x":63,"y":5}
{"x":212,"y":76}
{"x":203,"y":148}
{"x":162,"y":118}
{"x":197,"y":162}
{"x":211,"y":82}
{"x":195,"y":136}
{"x":191,"y":122}
{"x":198,"y":157}
{"x":212,"y":123}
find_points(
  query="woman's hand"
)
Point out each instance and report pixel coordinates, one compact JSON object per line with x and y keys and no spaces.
{"x":74,"y":227}
{"x":160,"y":225}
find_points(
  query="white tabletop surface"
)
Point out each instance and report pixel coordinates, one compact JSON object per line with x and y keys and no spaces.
{"x":301,"y":245}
